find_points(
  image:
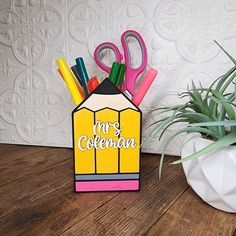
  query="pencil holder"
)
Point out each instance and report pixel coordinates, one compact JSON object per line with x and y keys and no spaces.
{"x":106,"y":141}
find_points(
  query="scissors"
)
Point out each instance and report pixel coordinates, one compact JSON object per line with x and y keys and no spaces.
{"x":131,"y":74}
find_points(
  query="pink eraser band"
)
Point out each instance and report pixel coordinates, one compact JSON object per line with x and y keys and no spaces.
{"x":112,"y":185}
{"x":145,"y":85}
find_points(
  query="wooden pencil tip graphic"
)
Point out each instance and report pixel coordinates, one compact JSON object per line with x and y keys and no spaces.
{"x":107,"y":87}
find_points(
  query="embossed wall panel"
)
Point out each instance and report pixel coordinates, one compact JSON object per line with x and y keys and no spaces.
{"x":35,"y":105}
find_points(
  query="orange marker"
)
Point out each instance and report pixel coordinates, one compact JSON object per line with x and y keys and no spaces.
{"x":92,"y":84}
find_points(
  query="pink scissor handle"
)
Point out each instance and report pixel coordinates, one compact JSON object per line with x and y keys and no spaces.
{"x":132,"y":74}
{"x":100,"y":48}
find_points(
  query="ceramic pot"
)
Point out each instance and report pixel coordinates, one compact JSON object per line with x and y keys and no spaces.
{"x":212,"y":176}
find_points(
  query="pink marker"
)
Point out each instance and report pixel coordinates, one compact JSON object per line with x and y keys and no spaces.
{"x":145,"y":85}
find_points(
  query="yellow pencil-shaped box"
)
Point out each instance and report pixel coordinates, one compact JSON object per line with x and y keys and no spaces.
{"x":106,"y":139}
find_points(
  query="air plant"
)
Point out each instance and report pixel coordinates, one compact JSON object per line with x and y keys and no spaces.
{"x":209,"y":111}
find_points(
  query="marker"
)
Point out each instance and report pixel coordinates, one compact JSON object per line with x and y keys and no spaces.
{"x":82,"y":73}
{"x":113,"y":76}
{"x":145,"y":85}
{"x":76,"y":74}
{"x":93,"y":83}
{"x":121,"y":74}
{"x":70,"y":81}
{"x":77,"y":84}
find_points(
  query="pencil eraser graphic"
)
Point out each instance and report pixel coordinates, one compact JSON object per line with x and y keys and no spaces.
{"x":120,"y":185}
{"x":106,"y":139}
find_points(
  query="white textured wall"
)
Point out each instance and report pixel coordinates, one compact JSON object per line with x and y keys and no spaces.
{"x":35,"y":105}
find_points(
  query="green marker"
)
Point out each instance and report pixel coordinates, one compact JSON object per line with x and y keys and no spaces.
{"x":121,"y":74}
{"x":113,"y":76}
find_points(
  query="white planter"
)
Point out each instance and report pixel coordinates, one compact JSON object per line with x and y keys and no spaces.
{"x":212,"y":176}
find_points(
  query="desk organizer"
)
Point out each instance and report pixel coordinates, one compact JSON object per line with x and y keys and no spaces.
{"x":106,"y":141}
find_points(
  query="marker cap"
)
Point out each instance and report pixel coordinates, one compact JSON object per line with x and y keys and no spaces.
{"x":114,"y":72}
{"x":121,"y":74}
{"x":92,"y":84}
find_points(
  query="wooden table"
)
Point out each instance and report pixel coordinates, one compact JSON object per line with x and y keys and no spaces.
{"x":37,"y":198}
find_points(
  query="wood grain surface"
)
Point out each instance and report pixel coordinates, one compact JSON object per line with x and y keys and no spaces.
{"x":37,"y":198}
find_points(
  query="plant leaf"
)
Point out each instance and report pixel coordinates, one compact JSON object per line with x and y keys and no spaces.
{"x":184,"y":130}
{"x":215,"y":123}
{"x":231,"y":58}
{"x":215,"y":146}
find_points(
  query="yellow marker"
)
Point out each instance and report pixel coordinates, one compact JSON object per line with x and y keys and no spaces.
{"x":70,"y":81}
